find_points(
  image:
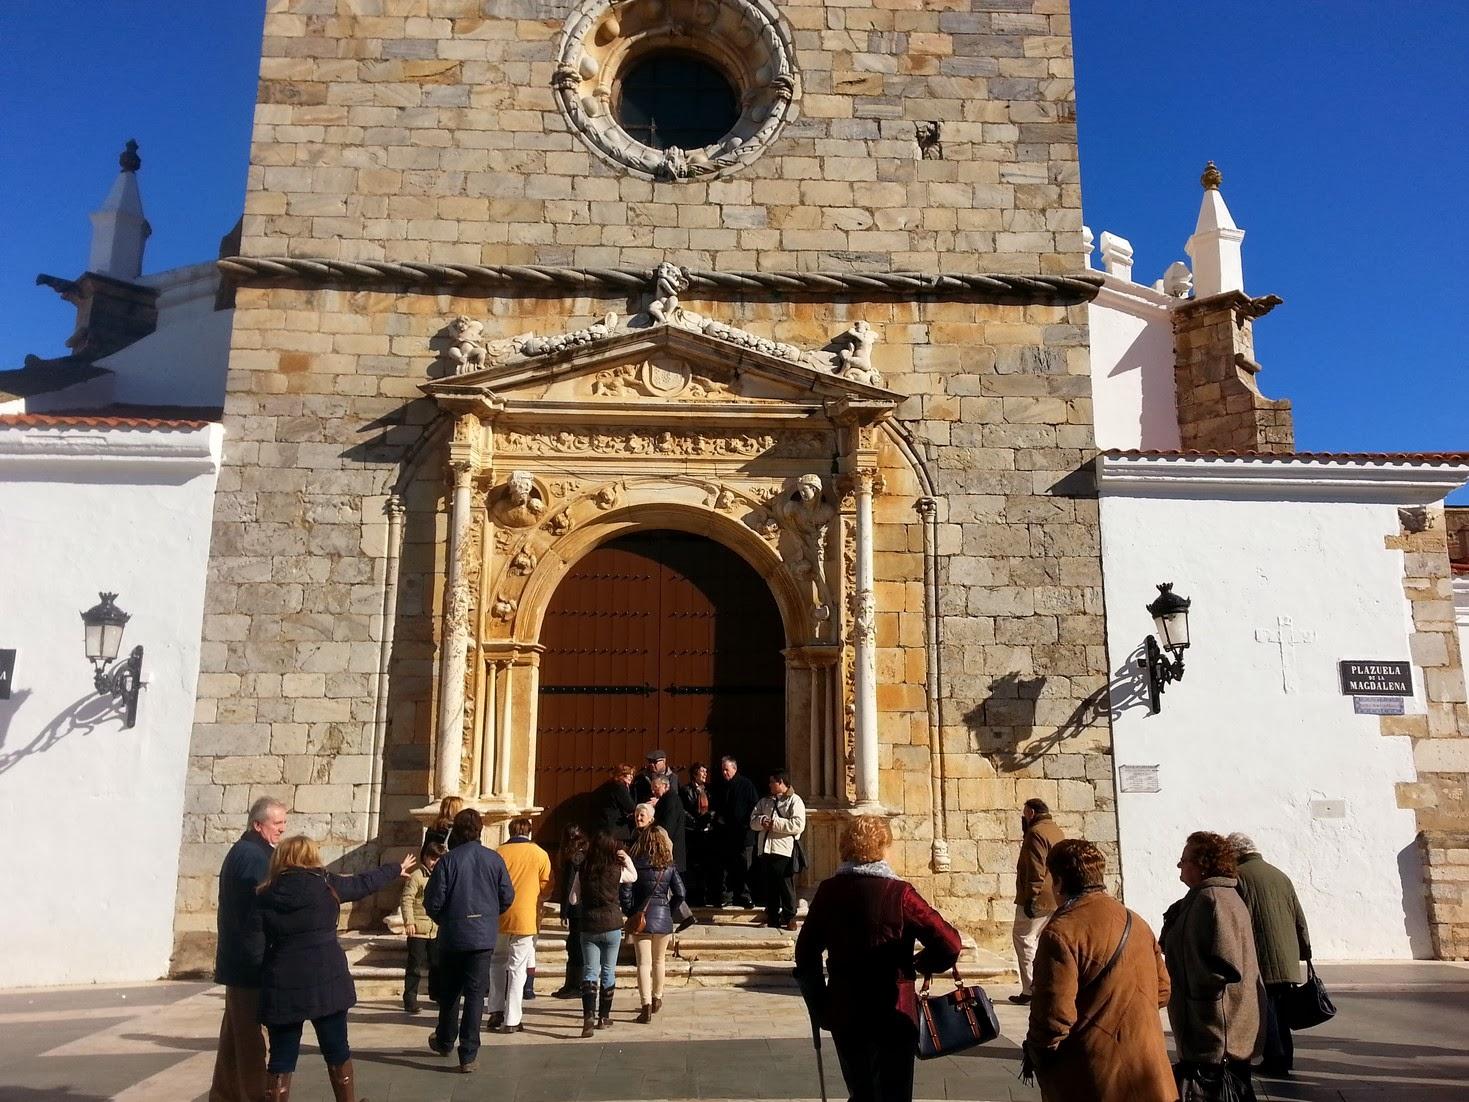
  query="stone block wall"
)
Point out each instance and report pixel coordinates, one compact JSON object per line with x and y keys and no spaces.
{"x":1220,"y":407}
{"x":1440,"y":795}
{"x":427,"y":132}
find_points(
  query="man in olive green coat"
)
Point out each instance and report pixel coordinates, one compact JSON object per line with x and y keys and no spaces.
{"x":1281,"y":943}
{"x":1035,"y":891}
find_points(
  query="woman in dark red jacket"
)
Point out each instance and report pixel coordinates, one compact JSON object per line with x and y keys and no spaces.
{"x":866,"y":920}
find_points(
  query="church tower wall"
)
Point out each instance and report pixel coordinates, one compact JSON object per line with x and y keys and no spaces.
{"x":929,"y":138}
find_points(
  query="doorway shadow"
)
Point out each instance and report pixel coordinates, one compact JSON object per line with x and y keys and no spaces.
{"x":83,"y":716}
{"x":1005,"y":725}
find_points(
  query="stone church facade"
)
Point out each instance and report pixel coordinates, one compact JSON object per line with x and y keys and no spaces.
{"x":481,"y":331}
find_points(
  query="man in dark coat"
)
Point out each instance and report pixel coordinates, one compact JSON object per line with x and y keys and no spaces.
{"x":466,"y":895}
{"x":1281,"y":943}
{"x":668,"y":812}
{"x":642,"y":789}
{"x":239,"y":1065}
{"x":614,"y":803}
{"x":734,"y":840}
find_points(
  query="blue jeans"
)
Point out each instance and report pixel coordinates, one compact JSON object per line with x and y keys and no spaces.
{"x":331,"y":1038}
{"x":463,"y":973}
{"x":599,"y":957}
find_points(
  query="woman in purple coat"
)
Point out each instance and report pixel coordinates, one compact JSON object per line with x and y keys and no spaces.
{"x":305,"y":976}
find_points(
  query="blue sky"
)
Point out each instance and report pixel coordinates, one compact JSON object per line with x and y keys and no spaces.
{"x":1340,"y":135}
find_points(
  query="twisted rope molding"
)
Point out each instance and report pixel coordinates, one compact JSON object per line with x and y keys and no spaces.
{"x":1010,"y":290}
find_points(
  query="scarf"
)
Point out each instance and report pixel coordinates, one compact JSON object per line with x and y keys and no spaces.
{"x":871,"y":868}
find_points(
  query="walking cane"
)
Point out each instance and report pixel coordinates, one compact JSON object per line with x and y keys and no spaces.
{"x":820,"y":1067}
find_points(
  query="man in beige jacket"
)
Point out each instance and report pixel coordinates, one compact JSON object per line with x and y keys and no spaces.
{"x":1035,"y":891}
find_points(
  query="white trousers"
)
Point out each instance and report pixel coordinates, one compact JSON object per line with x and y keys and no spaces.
{"x":512,"y":956}
{"x":652,"y":954}
{"x":1026,"y":934}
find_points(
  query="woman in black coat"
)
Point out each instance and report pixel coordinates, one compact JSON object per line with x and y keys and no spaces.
{"x":614,"y":803}
{"x":305,"y":976}
{"x":573,"y":851}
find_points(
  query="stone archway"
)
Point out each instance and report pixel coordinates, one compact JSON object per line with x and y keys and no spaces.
{"x":655,"y":638}
{"x":505,"y":710}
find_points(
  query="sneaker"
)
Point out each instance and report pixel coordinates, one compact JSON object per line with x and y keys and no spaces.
{"x":566,"y":993}
{"x":467,"y":1069}
{"x":1020,"y":1000}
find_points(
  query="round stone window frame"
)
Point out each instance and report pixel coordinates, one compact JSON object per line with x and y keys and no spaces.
{"x":745,"y":39}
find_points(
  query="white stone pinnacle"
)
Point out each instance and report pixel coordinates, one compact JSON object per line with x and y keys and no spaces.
{"x":1215,"y":247}
{"x":119,"y":229}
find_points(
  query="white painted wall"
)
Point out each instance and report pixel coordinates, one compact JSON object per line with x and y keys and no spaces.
{"x":1132,"y":367}
{"x":185,"y":360}
{"x":1236,"y":751}
{"x":90,"y":812}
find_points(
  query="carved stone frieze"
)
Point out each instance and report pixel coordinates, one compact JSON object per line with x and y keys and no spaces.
{"x":503,"y":609}
{"x":660,"y":378}
{"x":523,"y":562}
{"x":639,"y":440}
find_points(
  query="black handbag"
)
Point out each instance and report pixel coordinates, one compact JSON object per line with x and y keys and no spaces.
{"x":799,"y":864}
{"x":1213,"y":1083}
{"x":951,"y":1023}
{"x":1307,"y":1004}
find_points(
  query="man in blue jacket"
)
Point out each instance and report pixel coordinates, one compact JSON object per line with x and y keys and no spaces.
{"x":466,"y":895}
{"x":239,"y":1065}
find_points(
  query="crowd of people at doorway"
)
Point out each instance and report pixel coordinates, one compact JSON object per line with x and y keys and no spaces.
{"x":731,"y":846}
{"x":1226,"y":960}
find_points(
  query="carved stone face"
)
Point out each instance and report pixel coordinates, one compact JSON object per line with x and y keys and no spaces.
{"x":808,"y":489}
{"x":519,"y":487}
{"x":462,"y":327}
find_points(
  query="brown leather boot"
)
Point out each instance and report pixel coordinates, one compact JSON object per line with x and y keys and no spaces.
{"x":645,"y":1015}
{"x":657,"y":1004}
{"x":277,"y":1087}
{"x":344,"y":1085}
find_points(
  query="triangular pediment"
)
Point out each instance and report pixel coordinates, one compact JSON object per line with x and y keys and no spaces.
{"x":692,"y":360}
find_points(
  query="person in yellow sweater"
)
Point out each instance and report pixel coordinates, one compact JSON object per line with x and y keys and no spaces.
{"x":423,"y":950}
{"x":530,"y":875}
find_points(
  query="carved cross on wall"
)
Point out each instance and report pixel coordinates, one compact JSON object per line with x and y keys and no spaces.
{"x":1285,"y":637}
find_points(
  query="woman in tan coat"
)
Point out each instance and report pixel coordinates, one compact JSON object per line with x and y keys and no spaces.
{"x":1094,"y":1029}
{"x":1217,"y":1010}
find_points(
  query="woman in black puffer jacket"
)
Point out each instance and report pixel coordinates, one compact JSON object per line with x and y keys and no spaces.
{"x":305,"y":976}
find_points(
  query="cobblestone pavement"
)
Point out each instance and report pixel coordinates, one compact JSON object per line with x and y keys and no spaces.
{"x":1400,"y":1035}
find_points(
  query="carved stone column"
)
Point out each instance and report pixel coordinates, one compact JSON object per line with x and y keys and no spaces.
{"x":454,"y":639}
{"x":864,"y":637}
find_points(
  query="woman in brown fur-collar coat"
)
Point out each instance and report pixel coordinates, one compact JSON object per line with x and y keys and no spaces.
{"x":1094,"y":1031}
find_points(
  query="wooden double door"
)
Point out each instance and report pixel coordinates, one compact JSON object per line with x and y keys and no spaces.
{"x":655,"y":640}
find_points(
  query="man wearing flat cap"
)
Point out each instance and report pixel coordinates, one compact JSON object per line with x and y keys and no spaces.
{"x":642,"y":788}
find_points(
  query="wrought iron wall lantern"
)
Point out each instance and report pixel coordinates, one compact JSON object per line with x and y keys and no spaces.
{"x":104,"y":623}
{"x":1170,"y":617}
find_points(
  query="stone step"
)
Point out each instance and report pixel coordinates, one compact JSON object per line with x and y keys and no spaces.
{"x":700,"y":957}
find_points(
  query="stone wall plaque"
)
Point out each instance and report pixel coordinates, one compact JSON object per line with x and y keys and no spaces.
{"x":1138,"y":778}
{"x":7,"y":672}
{"x":1377,"y":705}
{"x":1368,"y":677}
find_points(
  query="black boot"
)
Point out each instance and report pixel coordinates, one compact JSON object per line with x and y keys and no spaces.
{"x":604,"y":1015}
{"x":589,"y":993}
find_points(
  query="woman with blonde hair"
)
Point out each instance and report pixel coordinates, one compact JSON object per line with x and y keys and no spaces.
{"x":656,"y":892}
{"x":305,"y":976}
{"x":449,"y":807}
{"x":865,"y":920}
